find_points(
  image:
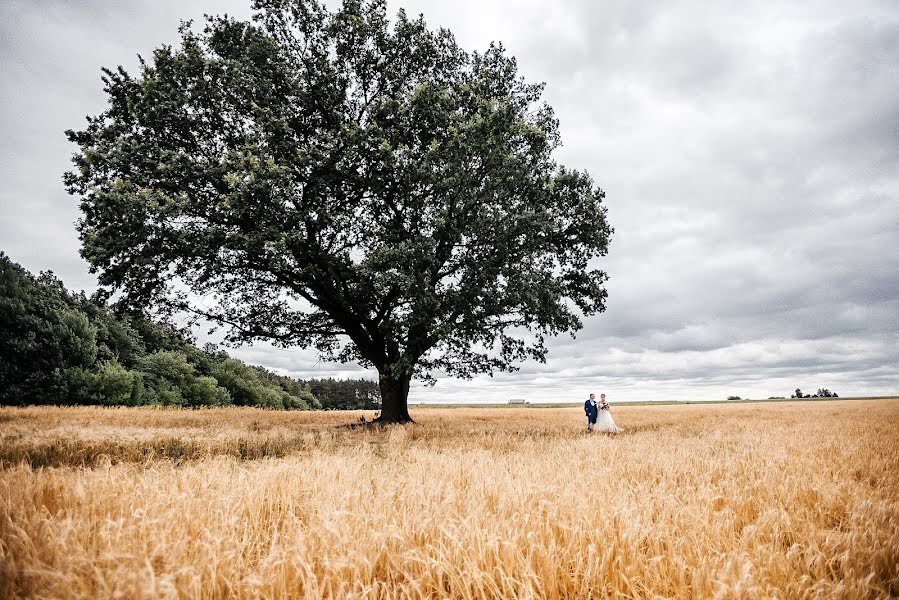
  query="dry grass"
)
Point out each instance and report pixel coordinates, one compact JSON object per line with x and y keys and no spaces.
{"x":787,"y":500}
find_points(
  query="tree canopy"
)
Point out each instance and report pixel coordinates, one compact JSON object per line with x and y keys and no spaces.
{"x":338,"y":180}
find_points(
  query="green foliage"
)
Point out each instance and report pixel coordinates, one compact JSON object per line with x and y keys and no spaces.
{"x":137,"y":390}
{"x":345,"y":394}
{"x":247,"y":387}
{"x":168,"y":366}
{"x":338,"y":181}
{"x":116,"y":337}
{"x":114,"y":384}
{"x":821,"y":393}
{"x":205,"y":391}
{"x":304,"y":400}
{"x":41,"y":337}
{"x":60,"y":348}
{"x":299,"y":391}
{"x":241,"y":381}
{"x":80,"y":388}
{"x":169,"y":377}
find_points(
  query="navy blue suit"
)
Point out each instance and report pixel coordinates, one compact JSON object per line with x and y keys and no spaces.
{"x":592,"y":410}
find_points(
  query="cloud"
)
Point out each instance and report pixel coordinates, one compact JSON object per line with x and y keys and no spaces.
{"x":748,"y":151}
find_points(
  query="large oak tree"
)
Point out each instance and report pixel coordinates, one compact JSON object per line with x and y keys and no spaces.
{"x":332,"y":179}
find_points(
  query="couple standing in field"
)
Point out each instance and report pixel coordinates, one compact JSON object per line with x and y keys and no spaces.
{"x":598,"y":416}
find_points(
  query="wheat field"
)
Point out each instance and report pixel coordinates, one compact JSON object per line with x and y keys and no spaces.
{"x":779,"y":500}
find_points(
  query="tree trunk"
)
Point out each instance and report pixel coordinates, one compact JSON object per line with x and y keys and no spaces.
{"x":394,"y":398}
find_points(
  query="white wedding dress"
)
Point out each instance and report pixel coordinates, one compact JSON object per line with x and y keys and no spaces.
{"x":605,"y":422}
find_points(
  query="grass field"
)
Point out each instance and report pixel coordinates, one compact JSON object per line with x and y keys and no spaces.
{"x":779,"y":500}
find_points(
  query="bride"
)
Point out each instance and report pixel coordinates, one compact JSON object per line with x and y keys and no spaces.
{"x":604,"y":421}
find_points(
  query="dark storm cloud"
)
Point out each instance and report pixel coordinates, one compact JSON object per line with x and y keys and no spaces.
{"x":748,"y":151}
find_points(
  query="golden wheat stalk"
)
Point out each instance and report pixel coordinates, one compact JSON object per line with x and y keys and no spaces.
{"x":749,"y":501}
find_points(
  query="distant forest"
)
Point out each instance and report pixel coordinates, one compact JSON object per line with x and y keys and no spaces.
{"x":57,"y":347}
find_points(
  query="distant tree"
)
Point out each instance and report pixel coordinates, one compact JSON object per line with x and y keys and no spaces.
{"x":172,"y":379}
{"x":156,"y":335}
{"x":137,"y":390}
{"x":241,"y":381}
{"x":247,"y":386}
{"x":327,"y":179}
{"x":116,"y":338}
{"x":734,"y":398}
{"x":114,"y":385}
{"x":206,"y":391}
{"x":300,"y":395}
{"x":798,"y":394}
{"x":345,"y":394}
{"x":169,"y":376}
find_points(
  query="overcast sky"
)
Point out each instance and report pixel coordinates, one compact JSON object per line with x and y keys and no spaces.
{"x":749,"y":152}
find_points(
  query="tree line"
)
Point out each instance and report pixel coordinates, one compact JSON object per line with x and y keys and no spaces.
{"x":821,"y":393}
{"x":59,"y":347}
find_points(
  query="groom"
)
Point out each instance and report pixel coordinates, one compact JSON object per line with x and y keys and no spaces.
{"x":592,"y":411}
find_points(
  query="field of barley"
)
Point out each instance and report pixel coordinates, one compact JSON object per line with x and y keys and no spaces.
{"x":780,"y":500}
